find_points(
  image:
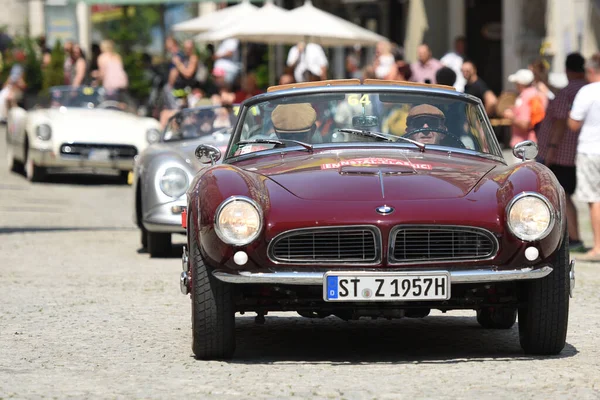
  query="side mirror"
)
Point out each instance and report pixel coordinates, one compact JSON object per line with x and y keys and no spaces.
{"x":526,"y":150}
{"x":205,"y":153}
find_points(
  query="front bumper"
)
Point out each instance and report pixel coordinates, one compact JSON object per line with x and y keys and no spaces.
{"x":489,"y":275}
{"x":165,"y":218}
{"x":49,"y":159}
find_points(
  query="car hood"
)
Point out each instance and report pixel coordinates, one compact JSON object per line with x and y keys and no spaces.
{"x":375,"y":174}
{"x":106,"y":126}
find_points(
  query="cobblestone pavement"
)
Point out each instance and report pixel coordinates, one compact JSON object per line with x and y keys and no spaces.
{"x":84,"y":314}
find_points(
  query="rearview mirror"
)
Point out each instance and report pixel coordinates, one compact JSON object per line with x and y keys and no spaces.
{"x":205,"y":153}
{"x":365,"y":121}
{"x":526,"y":150}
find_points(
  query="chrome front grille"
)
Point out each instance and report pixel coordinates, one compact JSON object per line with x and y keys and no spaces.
{"x":438,"y":243}
{"x":116,"y":151}
{"x":330,"y":245}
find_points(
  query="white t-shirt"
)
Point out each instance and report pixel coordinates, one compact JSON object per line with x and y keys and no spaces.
{"x":313,"y":59}
{"x":386,"y":62}
{"x":586,"y":108}
{"x":229,"y":64}
{"x":453,"y":61}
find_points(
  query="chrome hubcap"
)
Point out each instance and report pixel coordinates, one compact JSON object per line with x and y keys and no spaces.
{"x":571,"y":277}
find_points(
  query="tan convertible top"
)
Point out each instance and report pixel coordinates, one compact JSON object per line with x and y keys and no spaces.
{"x":346,"y":82}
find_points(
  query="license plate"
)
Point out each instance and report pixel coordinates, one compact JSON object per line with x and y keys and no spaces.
{"x":99,"y":155}
{"x":388,"y":286}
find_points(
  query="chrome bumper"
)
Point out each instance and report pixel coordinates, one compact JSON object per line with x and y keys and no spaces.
{"x":316,"y":278}
{"x":47,"y":158}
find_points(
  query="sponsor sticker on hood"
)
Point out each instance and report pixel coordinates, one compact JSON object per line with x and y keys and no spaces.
{"x":374,"y":161}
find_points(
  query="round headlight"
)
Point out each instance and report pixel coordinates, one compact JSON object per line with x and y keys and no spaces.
{"x":174,"y":182}
{"x":530,"y":217}
{"x":43,"y":132}
{"x":238,"y":221}
{"x":152,"y":135}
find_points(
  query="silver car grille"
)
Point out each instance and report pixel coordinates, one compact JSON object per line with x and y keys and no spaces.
{"x":437,"y":243}
{"x":84,"y":149}
{"x":330,"y":245}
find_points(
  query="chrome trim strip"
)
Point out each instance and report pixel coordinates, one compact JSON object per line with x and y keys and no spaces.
{"x":394,"y":231}
{"x":316,"y":278}
{"x":376,"y":233}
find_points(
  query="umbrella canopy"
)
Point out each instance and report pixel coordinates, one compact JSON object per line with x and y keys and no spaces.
{"x":257,"y":26}
{"x":273,"y":25}
{"x":216,"y":19}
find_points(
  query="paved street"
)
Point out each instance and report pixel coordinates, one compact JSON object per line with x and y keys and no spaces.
{"x":85,"y":314}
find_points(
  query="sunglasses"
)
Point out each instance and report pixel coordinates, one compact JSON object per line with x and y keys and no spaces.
{"x":431,"y":121}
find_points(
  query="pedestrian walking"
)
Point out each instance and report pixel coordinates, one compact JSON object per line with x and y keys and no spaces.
{"x":585,"y":119}
{"x":110,"y":70}
{"x":79,"y":69}
{"x":454,"y":60}
{"x":558,"y":144}
{"x":475,"y":86}
{"x":307,"y":59}
{"x":425,"y":68}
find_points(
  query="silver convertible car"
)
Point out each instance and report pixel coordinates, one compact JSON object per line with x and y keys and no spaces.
{"x":163,"y":172}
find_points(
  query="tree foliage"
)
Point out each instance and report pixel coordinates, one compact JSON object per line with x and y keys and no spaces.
{"x":53,"y":74}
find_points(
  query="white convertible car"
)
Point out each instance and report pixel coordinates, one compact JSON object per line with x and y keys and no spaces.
{"x":79,"y":128}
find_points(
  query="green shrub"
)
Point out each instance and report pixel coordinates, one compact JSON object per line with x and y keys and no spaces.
{"x":53,"y":74}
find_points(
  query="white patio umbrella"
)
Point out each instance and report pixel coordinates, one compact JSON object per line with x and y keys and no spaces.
{"x":214,"y":20}
{"x":273,"y":25}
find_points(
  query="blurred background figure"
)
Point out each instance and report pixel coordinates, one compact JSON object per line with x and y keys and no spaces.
{"x":15,"y":85}
{"x":79,"y":66}
{"x":227,"y":58}
{"x":384,"y":60}
{"x":248,"y":88}
{"x":110,"y":70}
{"x":93,"y":65}
{"x":540,"y":80}
{"x":454,"y":60}
{"x":185,"y":66}
{"x":45,"y":52}
{"x":307,"y":57}
{"x":528,"y":110}
{"x":68,"y":65}
{"x":286,"y":78}
{"x":445,"y":76}
{"x":475,"y":86}
{"x":585,"y":119}
{"x":425,"y":68}
{"x":353,"y":67}
{"x":558,"y":144}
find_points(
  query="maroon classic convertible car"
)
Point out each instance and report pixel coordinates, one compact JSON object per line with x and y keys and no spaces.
{"x":374,"y":199}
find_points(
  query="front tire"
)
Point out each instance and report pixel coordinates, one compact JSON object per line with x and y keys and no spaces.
{"x":497,"y":318}
{"x":544,"y":315}
{"x":213,"y":311}
{"x":33,"y":173}
{"x":159,"y":244}
{"x":13,"y":164}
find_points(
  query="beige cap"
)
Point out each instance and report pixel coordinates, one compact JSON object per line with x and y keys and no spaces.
{"x":425,"y":109}
{"x":291,"y":118}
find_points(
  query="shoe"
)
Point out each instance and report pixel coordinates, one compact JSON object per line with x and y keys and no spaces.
{"x":576,"y":246}
{"x":590,"y":256}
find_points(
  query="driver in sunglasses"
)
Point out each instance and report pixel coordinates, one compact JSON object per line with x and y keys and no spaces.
{"x":426,"y":124}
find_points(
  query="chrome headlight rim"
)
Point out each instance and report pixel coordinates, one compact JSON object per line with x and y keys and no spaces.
{"x":153,"y":131}
{"x":551,"y":211}
{"x":40,"y":135}
{"x":228,"y":201}
{"x":163,"y":172}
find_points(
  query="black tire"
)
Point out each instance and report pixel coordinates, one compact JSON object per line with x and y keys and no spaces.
{"x":33,"y":173}
{"x":544,"y":314}
{"x":144,"y":237}
{"x":213,"y":310}
{"x":497,"y":318}
{"x":124,"y":177}
{"x":13,"y":164}
{"x":159,"y":244}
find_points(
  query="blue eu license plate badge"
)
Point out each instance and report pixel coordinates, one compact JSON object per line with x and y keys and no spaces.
{"x":332,"y":287}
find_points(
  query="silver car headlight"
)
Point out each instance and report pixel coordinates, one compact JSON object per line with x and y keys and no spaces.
{"x":530,"y":216}
{"x":238,"y":221}
{"x":43,"y":132}
{"x":152,"y":135}
{"x":174,"y":182}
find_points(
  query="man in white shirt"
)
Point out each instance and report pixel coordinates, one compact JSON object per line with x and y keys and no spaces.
{"x":307,"y":57}
{"x":585,"y":117}
{"x":227,"y":58}
{"x":454,"y":60}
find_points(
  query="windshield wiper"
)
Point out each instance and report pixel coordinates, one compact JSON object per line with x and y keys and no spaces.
{"x":384,"y":136}
{"x":279,"y":142}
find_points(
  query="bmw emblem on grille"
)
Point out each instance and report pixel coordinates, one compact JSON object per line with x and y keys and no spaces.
{"x":384,"y":210}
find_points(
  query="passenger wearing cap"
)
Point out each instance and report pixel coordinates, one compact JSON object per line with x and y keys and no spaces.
{"x":528,"y":110}
{"x":294,"y":121}
{"x":426,"y":124}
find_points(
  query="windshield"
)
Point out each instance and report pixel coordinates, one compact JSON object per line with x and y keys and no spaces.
{"x":199,"y":122}
{"x":433,"y":119}
{"x":67,"y":96}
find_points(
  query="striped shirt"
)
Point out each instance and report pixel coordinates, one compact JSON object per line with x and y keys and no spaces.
{"x":559,"y":109}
